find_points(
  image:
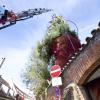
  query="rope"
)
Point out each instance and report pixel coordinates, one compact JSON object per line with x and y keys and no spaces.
{"x":75,"y":25}
{"x":71,"y":43}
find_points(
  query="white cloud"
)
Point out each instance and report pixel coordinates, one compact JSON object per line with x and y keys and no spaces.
{"x":63,"y":7}
{"x":14,"y":63}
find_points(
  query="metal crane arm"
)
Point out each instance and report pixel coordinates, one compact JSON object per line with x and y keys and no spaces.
{"x":14,"y":17}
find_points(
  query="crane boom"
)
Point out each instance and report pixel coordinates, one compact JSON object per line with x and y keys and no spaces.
{"x":30,"y":13}
{"x":23,"y":15}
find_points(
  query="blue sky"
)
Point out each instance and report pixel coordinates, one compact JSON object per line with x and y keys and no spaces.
{"x":16,"y":41}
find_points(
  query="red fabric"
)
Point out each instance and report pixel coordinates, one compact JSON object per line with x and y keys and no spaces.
{"x":17,"y":97}
{"x":22,"y":97}
{"x":64,"y":47}
{"x":2,"y":21}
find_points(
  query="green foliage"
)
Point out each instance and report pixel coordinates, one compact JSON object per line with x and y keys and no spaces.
{"x":57,"y":27}
{"x":36,"y":72}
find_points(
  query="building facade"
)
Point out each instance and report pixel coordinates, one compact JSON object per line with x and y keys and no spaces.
{"x":81,"y":73}
{"x":81,"y":76}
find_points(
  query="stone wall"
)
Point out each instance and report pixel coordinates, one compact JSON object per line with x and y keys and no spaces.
{"x":79,"y":67}
{"x":86,"y":61}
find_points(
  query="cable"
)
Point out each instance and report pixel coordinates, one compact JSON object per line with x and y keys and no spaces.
{"x":75,"y":26}
{"x":71,"y":42}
